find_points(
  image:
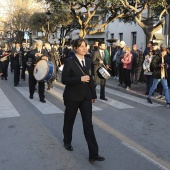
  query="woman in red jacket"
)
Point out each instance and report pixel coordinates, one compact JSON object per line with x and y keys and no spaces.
{"x":127,"y":66}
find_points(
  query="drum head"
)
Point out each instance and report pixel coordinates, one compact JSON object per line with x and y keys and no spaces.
{"x":99,"y":74}
{"x":40,"y":70}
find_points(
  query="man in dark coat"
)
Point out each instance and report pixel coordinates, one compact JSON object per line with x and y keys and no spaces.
{"x":160,"y":65}
{"x":34,"y":56}
{"x":99,"y":58}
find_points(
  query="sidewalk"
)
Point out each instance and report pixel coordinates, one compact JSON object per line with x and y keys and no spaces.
{"x":138,"y":89}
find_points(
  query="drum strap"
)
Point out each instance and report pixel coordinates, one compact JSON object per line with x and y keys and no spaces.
{"x":80,"y":68}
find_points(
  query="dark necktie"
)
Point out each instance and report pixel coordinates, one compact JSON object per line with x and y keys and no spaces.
{"x":83,"y":64}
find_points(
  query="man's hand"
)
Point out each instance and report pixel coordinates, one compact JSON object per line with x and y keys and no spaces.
{"x":38,"y":54}
{"x":101,"y":61}
{"x":85,"y":78}
{"x":107,"y":66}
{"x":93,"y":100}
{"x":1,"y":74}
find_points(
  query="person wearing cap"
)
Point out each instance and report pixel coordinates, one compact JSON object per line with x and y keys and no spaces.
{"x":119,"y":56}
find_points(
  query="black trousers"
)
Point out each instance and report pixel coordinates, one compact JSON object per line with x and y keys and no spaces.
{"x":102,"y":85}
{"x":5,"y":68}
{"x":121,"y":74}
{"x":16,"y":73}
{"x":71,"y":109}
{"x":127,"y":79}
{"x":33,"y":82}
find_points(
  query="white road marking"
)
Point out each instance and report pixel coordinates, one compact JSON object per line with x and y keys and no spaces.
{"x":130,"y":97}
{"x":154,"y":159}
{"x":44,"y":108}
{"x":59,"y":94}
{"x":145,"y":156}
{"x":6,"y":107}
{"x":116,"y":104}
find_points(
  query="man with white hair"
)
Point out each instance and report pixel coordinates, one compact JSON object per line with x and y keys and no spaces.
{"x":34,"y":56}
{"x":119,"y":57}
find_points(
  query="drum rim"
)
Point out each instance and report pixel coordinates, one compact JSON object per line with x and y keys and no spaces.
{"x":48,"y":69}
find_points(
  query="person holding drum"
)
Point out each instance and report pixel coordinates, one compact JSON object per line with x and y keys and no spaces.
{"x":100,"y":60}
{"x":79,"y":93}
{"x":50,"y":52}
{"x":34,"y":56}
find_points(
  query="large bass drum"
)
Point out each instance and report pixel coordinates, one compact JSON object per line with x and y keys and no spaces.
{"x":43,"y":70}
{"x":103,"y":73}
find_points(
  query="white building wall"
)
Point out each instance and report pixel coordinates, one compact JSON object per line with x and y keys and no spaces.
{"x":119,"y":27}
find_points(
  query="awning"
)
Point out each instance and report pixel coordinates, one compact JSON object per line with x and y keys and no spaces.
{"x":158,"y":36}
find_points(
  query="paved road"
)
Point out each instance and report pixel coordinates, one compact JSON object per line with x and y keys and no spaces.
{"x":132,"y":134}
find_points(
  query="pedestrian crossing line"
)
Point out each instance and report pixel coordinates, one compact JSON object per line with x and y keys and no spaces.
{"x":130,"y":97}
{"x":59,"y":94}
{"x":44,"y":108}
{"x":6,"y":107}
{"x":116,"y":104}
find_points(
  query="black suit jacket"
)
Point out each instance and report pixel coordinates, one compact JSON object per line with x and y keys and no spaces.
{"x":75,"y":90}
{"x":16,"y":58}
{"x":0,"y":67}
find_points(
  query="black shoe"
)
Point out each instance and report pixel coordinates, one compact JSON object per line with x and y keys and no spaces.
{"x":146,"y":93}
{"x":6,"y":78}
{"x":96,"y":158}
{"x":103,"y":99}
{"x":15,"y":84}
{"x":31,"y":97}
{"x":68,"y":147}
{"x":149,"y":100}
{"x":42,"y":100}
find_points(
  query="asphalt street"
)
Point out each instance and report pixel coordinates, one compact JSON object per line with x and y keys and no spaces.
{"x":131,"y":133}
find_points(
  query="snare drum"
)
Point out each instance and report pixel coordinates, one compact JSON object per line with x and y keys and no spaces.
{"x":103,"y":73}
{"x":43,"y":70}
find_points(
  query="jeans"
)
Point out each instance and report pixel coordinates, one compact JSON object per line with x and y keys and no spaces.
{"x":165,"y":87}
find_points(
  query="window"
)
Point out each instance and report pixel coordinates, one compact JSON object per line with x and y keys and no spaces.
{"x":94,"y":19}
{"x":134,"y":36}
{"x":121,"y":36}
{"x":112,"y":36}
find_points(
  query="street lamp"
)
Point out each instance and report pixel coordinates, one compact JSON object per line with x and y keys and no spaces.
{"x":48,"y":15}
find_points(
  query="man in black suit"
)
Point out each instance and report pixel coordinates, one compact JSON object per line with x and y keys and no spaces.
{"x":79,"y":93}
{"x":33,"y":57}
{"x":1,"y":68}
{"x":17,"y":57}
{"x":99,"y":59}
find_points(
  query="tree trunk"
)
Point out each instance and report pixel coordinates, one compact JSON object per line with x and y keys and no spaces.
{"x":82,"y":33}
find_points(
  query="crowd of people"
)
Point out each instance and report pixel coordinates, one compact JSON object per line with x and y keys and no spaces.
{"x":81,"y":74}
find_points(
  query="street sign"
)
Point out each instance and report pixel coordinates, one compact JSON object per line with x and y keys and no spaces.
{"x":26,"y":35}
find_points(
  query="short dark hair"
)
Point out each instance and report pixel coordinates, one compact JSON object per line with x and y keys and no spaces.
{"x":77,"y":42}
{"x":100,"y":43}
